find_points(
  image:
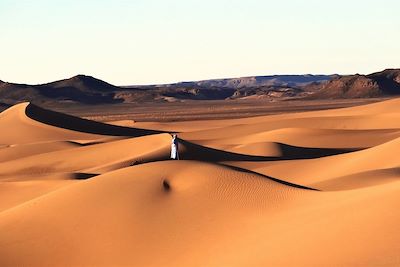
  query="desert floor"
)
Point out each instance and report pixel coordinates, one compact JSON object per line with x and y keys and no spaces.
{"x":295,"y":188}
{"x":190,"y":110}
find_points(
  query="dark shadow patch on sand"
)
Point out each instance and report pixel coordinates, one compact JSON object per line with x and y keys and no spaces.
{"x":69,"y":122}
{"x":191,"y":151}
{"x":83,"y":176}
{"x":166,"y":185}
{"x":296,"y":152}
{"x":86,"y":143}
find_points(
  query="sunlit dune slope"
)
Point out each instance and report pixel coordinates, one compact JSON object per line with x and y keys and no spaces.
{"x":10,"y":152}
{"x":91,"y":158}
{"x":320,"y":170}
{"x":126,"y":216}
{"x":218,"y":216}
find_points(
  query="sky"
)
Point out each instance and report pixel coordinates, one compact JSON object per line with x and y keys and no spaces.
{"x":164,"y":41}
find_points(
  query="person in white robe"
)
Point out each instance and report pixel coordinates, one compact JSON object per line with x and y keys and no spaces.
{"x":174,"y":148}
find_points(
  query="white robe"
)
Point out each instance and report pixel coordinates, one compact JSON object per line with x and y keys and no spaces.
{"x":174,"y":148}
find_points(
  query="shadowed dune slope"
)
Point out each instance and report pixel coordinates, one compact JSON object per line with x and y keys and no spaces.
{"x":253,"y":152}
{"x":18,"y":128}
{"x":77,"y":124}
{"x":27,"y":123}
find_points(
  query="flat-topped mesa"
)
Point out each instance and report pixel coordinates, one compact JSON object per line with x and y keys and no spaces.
{"x":272,"y":80}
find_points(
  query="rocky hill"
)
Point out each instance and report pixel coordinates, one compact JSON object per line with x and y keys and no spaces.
{"x":81,"y":89}
{"x":384,"y":83}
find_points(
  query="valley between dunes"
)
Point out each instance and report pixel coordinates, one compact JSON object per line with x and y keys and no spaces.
{"x":319,"y":188}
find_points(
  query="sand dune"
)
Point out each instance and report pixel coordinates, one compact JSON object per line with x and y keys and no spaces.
{"x":10,"y":152}
{"x":32,"y":124}
{"x":308,"y":172}
{"x":317,"y":188}
{"x":128,"y":151}
{"x":139,"y":216}
{"x":26,"y":130}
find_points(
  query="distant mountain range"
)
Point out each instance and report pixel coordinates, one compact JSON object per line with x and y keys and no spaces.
{"x":89,"y":90}
{"x":259,"y":81}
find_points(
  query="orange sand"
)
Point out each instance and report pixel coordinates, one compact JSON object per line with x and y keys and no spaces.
{"x":317,"y":188}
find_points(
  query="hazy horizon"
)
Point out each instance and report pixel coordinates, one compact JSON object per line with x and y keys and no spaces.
{"x":155,"y":42}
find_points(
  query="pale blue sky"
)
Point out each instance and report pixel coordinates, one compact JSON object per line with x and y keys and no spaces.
{"x":160,"y":41}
